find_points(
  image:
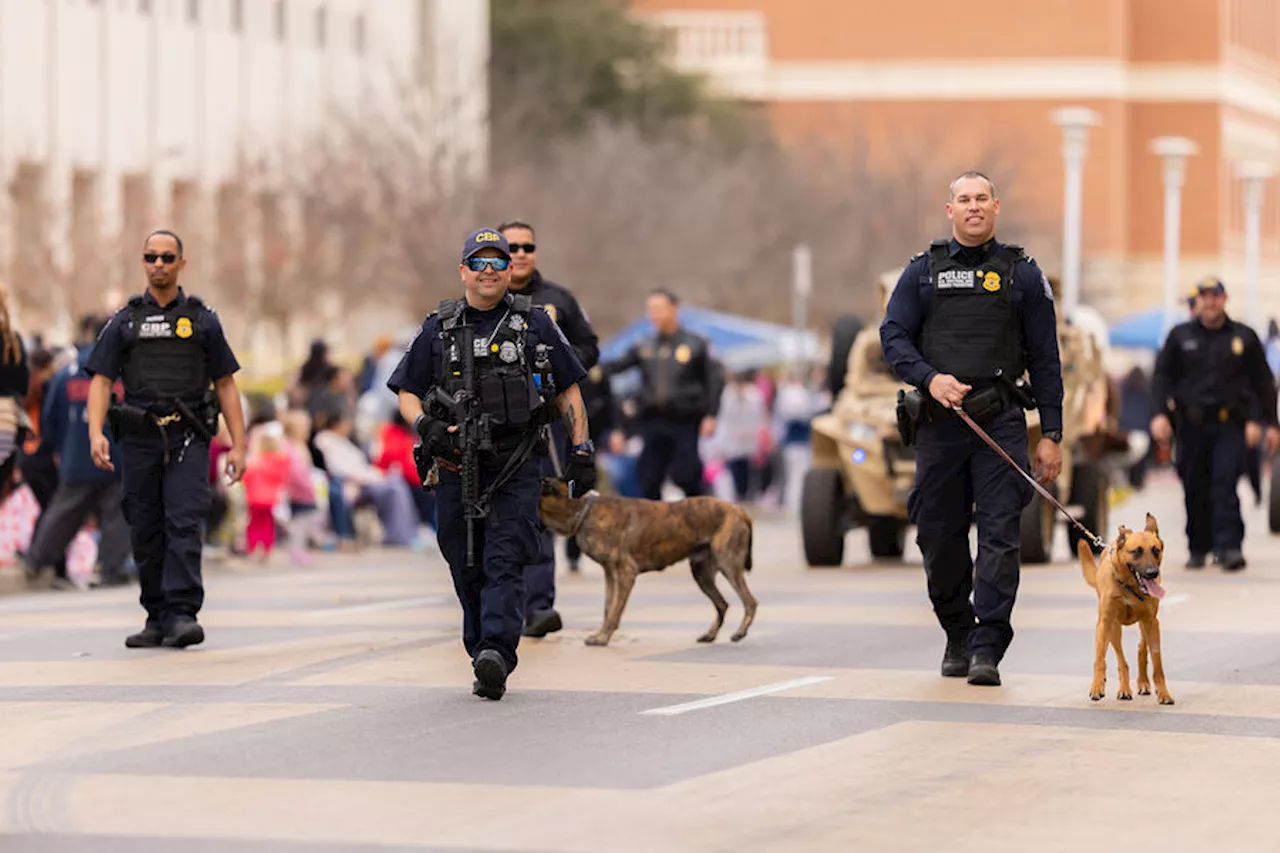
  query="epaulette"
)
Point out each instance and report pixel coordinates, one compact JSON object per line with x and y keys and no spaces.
{"x":198,"y":302}
{"x":135,"y":301}
{"x":521,"y":302}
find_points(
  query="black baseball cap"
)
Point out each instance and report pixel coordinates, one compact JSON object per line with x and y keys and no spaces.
{"x":485,"y":238}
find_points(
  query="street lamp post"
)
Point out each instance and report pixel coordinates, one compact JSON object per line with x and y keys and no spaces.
{"x":1075,"y":123}
{"x":1254,"y":174}
{"x":1174,"y":150}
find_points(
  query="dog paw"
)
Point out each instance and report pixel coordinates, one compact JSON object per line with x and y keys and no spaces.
{"x":1166,"y":699}
{"x":1144,"y":689}
{"x":597,"y":640}
{"x":707,"y":638}
{"x":1124,"y":694}
{"x":1097,"y":691}
{"x":738,"y":636}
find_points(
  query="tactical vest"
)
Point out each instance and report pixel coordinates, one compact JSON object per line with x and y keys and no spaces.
{"x":973,"y":327}
{"x":512,"y":392}
{"x":165,"y":358}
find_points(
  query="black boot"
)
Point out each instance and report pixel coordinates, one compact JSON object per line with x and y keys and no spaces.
{"x":184,"y":632}
{"x":491,"y":675}
{"x":955,"y":660}
{"x":148,"y":638}
{"x":983,"y":671}
{"x":1197,"y":561}
{"x":1232,"y":561}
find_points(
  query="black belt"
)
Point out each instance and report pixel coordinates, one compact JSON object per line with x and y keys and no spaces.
{"x":1210,"y":414}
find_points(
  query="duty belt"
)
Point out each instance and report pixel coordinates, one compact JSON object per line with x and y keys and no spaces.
{"x":1205,"y":414}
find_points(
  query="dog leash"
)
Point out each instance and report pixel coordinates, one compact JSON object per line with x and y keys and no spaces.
{"x":1095,"y":540}
{"x":581,"y":518}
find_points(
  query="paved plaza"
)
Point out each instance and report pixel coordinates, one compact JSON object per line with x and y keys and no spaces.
{"x":330,"y":710}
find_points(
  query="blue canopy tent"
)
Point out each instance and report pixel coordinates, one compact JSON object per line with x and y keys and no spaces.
{"x":740,"y":343}
{"x":1143,"y":330}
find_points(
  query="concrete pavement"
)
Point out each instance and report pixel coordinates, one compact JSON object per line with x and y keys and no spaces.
{"x":330,"y":710}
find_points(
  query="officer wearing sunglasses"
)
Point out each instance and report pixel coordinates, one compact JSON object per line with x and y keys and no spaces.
{"x":524,"y":374}
{"x":541,"y":617}
{"x":170,"y":353}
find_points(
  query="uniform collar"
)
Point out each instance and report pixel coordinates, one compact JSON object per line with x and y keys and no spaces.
{"x":149,"y":299}
{"x":955,"y":247}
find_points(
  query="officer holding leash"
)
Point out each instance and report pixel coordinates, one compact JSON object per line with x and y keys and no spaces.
{"x":483,"y":377}
{"x":541,"y":617}
{"x":177,"y":368}
{"x":966,"y":319}
{"x":1213,"y":390}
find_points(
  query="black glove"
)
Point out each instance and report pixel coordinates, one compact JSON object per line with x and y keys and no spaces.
{"x":436,"y":438}
{"x":580,"y":473}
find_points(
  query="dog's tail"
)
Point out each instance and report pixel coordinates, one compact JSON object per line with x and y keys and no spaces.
{"x":1087,"y":565}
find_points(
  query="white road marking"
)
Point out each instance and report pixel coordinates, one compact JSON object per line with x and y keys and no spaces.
{"x":373,"y":607}
{"x":1175,"y":599}
{"x":725,"y":699}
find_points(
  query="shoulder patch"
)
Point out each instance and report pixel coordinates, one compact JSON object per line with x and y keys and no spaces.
{"x":521,"y":303}
{"x":135,"y":301}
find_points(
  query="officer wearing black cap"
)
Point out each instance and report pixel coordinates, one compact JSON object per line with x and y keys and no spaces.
{"x":541,"y":617}
{"x":678,"y":399}
{"x":1213,"y":390}
{"x":177,"y":368}
{"x":962,"y":313}
{"x":523,"y":374}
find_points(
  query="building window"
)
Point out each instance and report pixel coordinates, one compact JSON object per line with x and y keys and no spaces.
{"x":193,"y":11}
{"x":358,"y":34}
{"x":282,"y":20}
{"x":237,"y":16}
{"x":322,"y":26}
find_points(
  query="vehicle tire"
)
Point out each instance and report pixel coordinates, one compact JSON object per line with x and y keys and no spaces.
{"x":1038,"y":527}
{"x":1274,"y":508}
{"x":822,"y":517}
{"x":843,"y":332}
{"x":1089,"y":490}
{"x":888,"y":537}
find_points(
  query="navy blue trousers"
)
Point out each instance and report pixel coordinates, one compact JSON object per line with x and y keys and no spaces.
{"x":960,"y":479}
{"x":492,"y":592}
{"x":1210,"y":458}
{"x":540,"y":572}
{"x":669,"y":447}
{"x":165,"y":506}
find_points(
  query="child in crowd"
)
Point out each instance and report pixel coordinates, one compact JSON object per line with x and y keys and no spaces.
{"x":265,"y":473}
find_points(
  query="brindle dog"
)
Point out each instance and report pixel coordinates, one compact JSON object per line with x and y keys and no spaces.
{"x":629,"y":536}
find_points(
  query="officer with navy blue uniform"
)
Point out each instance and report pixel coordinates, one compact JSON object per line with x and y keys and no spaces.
{"x":1213,"y":390}
{"x":541,"y":617}
{"x":962,"y":313}
{"x":177,"y":369}
{"x":524,"y":374}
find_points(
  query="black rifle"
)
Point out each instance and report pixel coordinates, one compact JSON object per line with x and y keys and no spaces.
{"x":474,"y":433}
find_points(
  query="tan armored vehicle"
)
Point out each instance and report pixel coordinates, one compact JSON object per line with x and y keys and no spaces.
{"x":862,"y":475}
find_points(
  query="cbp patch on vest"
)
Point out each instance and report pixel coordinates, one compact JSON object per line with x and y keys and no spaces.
{"x":991,"y":281}
{"x":155,"y":329}
{"x":183,"y":329}
{"x":956,"y":280}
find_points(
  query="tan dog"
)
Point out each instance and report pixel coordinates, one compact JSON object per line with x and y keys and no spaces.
{"x":1127,"y":578}
{"x":630,"y":536}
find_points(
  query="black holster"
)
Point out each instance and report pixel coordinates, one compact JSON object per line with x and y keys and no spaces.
{"x":910,"y":412}
{"x":1018,"y":389}
{"x":124,"y":421}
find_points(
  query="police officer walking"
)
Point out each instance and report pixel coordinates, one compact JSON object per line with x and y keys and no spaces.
{"x":964,"y":310}
{"x":168,"y":348}
{"x":497,"y":348}
{"x":83,"y":487}
{"x":562,"y":306}
{"x":678,"y":399}
{"x":1213,"y":390}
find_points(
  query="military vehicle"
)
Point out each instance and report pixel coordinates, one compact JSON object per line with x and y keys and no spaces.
{"x":861,"y":474}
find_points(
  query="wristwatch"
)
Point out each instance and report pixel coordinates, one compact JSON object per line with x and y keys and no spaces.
{"x":1054,"y":435}
{"x":587,"y":446}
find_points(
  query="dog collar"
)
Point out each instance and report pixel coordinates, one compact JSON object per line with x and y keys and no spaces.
{"x":581,"y":517}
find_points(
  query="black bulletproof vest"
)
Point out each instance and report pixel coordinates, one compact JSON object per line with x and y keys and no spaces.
{"x":973,"y":328}
{"x":506,"y":384}
{"x":165,"y":359}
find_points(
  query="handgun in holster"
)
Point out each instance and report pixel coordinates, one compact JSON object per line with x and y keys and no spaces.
{"x":1018,"y":389}
{"x":910,"y":411}
{"x":126,"y":420}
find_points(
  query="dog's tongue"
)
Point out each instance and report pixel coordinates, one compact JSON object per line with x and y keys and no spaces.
{"x":1152,"y":588}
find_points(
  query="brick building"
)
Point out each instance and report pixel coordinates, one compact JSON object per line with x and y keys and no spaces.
{"x":992,"y":72}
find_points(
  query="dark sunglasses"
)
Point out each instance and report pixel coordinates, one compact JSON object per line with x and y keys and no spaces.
{"x":528,"y":248}
{"x":478,"y":264}
{"x":152,"y":257}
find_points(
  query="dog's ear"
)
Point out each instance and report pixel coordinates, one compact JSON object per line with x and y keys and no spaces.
{"x":1124,"y":532}
{"x":548,"y":487}
{"x":1152,"y":527}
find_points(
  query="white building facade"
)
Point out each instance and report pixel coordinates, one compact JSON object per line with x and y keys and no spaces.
{"x":119,"y":116}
